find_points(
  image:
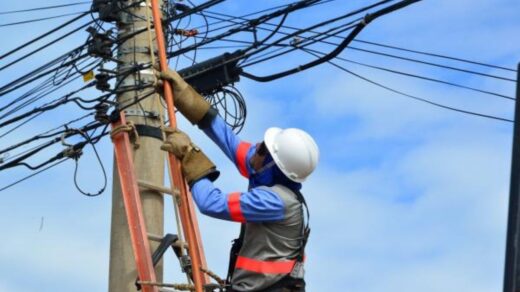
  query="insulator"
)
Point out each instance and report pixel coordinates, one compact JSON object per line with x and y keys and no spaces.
{"x":100,"y":45}
{"x":102,"y":82}
{"x":108,"y":10}
{"x":102,"y":113}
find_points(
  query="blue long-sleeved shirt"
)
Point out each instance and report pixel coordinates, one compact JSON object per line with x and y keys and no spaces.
{"x":255,"y":205}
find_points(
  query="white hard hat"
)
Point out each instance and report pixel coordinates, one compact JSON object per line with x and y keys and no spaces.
{"x":293,"y":150}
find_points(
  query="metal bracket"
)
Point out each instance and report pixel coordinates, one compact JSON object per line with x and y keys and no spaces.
{"x":127,"y":51}
{"x":141,"y":113}
{"x":144,"y":81}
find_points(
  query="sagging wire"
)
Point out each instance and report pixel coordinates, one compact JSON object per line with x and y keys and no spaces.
{"x":39,"y":19}
{"x":47,"y":134}
{"x":75,"y":154}
{"x":313,"y":52}
{"x":44,"y":8}
{"x":356,"y":30}
{"x":231,"y":106}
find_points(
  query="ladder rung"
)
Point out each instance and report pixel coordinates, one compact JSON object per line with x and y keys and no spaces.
{"x":160,"y":189}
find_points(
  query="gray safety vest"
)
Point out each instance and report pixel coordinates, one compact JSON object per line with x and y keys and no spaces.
{"x":269,"y":250}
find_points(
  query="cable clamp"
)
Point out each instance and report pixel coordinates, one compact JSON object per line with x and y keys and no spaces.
{"x":296,"y":41}
{"x":72,"y":151}
{"x":4,"y":157}
{"x":186,"y":32}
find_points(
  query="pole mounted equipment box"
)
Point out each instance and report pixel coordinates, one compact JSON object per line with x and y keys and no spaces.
{"x":209,"y":76}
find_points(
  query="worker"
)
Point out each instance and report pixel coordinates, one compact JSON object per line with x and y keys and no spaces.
{"x":269,"y":253}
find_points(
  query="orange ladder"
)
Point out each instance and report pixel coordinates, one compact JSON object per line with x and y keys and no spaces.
{"x":131,"y":196}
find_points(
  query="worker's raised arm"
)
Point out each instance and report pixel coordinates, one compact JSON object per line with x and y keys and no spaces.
{"x":256,"y":205}
{"x":238,"y":151}
{"x":199,"y":112}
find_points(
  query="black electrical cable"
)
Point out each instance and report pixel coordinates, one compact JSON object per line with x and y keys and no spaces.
{"x":49,"y":106}
{"x":19,"y":161}
{"x":299,"y":5}
{"x":43,"y":35}
{"x":433,"y":64}
{"x":56,"y":40}
{"x":412,"y":96}
{"x":11,"y":87}
{"x":435,"y":55}
{"x":39,"y":19}
{"x":89,"y":140}
{"x":46,"y":65}
{"x":397,"y":48}
{"x":31,"y":175}
{"x":19,"y":126}
{"x":357,"y":29}
{"x":425,"y":78}
{"x":382,"y":45}
{"x":243,"y":17}
{"x":201,"y":7}
{"x":37,"y":93}
{"x":46,"y":134}
{"x":45,"y":7}
{"x":389,"y":70}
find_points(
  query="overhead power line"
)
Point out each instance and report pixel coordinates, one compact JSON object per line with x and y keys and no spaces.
{"x":39,"y":19}
{"x":61,"y":26}
{"x":409,"y":95}
{"x":45,"y":7}
{"x":421,"y":52}
{"x":435,"y":55}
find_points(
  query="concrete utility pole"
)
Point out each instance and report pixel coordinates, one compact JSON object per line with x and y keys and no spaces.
{"x":148,"y":158}
{"x":512,"y":263}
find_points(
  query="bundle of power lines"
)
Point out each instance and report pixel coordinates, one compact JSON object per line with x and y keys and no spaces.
{"x":230,"y":47}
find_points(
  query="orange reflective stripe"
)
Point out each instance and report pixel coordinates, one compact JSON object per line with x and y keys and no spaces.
{"x":241,"y":154}
{"x":265,"y":267}
{"x":234,"y":207}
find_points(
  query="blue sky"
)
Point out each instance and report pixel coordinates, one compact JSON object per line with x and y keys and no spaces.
{"x":406,"y":197}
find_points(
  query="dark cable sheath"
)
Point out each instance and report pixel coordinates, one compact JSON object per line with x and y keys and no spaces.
{"x":46,"y":134}
{"x":288,"y":9}
{"x":45,"y":7}
{"x":46,"y":45}
{"x":47,"y":65}
{"x":38,"y":19}
{"x":54,"y":105}
{"x":425,"y":78}
{"x":432,"y":64}
{"x":434,"y":55}
{"x":374,"y":44}
{"x":31,"y":175}
{"x":321,"y":24}
{"x":19,"y":160}
{"x":6,"y":88}
{"x":368,"y":18}
{"x":89,"y":140}
{"x":412,"y":96}
{"x":43,"y":35}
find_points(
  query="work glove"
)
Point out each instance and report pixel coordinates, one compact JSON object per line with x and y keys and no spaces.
{"x":195,"y":165}
{"x":188,"y":101}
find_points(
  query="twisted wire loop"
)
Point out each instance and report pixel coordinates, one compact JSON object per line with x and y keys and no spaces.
{"x":130,"y":128}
